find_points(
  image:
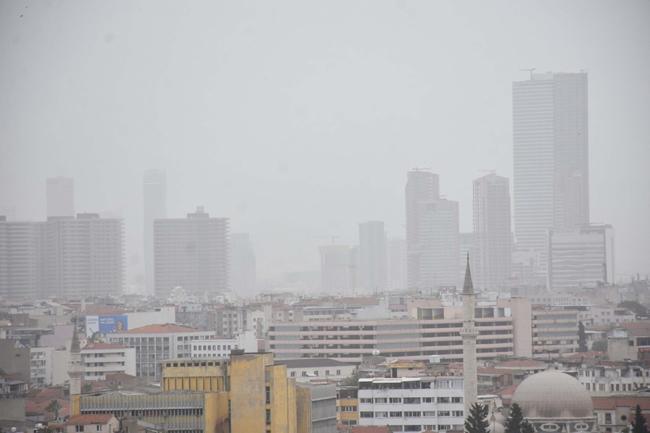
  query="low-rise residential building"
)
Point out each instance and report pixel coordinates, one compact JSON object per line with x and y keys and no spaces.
{"x":100,"y":423}
{"x":40,"y":366}
{"x":629,"y":342}
{"x":605,"y":316}
{"x":412,"y":404}
{"x":616,"y":413}
{"x":555,"y":330}
{"x":156,"y":343}
{"x":100,"y":359}
{"x":613,"y":378}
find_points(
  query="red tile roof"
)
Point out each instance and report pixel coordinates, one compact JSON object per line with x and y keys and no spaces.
{"x":89,"y":419}
{"x":167,"y":328}
{"x":611,"y":403}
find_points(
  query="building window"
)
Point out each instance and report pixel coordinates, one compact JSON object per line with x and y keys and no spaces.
{"x":268,"y":416}
{"x":268,"y":395}
{"x":78,"y":428}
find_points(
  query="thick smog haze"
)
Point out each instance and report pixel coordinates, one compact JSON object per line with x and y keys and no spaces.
{"x":299,"y":120}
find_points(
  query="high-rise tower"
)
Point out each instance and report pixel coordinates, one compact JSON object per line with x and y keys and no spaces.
{"x":551,"y":158}
{"x":373,"y":256}
{"x":432,"y":236}
{"x":492,"y":232}
{"x":154,"y":200}
{"x":469,"y":334}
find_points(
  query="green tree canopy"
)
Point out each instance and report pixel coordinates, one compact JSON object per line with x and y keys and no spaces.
{"x":515,"y":418}
{"x":639,"y":424}
{"x":582,"y":338}
{"x":476,"y":421}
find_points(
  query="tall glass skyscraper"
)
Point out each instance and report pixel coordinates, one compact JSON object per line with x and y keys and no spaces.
{"x":551,"y":158}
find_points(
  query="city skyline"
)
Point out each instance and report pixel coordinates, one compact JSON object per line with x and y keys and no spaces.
{"x":305,"y":183}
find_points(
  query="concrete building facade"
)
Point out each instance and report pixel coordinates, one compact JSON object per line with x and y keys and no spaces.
{"x":412,"y":404}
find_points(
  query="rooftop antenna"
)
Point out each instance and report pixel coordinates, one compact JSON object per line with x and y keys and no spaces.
{"x":530,"y":71}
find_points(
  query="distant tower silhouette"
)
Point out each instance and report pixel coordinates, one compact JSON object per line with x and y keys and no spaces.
{"x":469,"y":334}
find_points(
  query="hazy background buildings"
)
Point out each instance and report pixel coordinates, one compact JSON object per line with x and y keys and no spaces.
{"x":264,"y":115}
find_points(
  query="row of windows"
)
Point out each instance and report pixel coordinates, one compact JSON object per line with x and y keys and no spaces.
{"x":411,"y":400}
{"x":316,"y":373}
{"x":411,"y":414}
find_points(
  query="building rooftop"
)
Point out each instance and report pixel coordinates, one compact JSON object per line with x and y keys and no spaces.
{"x":612,"y":402}
{"x":167,"y":328}
{"x":312,"y":363}
{"x":89,"y":419}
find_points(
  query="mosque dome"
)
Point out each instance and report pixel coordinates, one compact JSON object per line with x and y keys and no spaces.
{"x":552,"y":395}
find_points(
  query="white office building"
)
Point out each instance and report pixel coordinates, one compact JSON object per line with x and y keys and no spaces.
{"x":580,"y":257}
{"x":156,"y":343}
{"x":412,"y":404}
{"x":221,"y":347}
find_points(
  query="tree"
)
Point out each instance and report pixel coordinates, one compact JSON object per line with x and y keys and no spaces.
{"x":582,"y":338}
{"x":639,"y":425}
{"x":527,"y":427}
{"x":599,"y":346}
{"x":515,"y":418}
{"x":54,"y":407}
{"x":634,"y":307}
{"x":476,"y":421}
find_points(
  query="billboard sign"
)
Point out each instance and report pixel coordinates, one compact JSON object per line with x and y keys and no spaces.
{"x":106,"y":324}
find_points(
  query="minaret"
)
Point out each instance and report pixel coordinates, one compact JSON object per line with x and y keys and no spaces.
{"x":75,"y":371}
{"x":469,"y":334}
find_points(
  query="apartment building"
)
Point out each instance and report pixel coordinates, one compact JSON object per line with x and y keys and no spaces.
{"x":554,"y":330}
{"x":613,"y":378}
{"x":412,"y":404}
{"x":100,"y":359}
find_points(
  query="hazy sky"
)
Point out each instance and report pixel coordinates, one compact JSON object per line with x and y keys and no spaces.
{"x":300,"y":119}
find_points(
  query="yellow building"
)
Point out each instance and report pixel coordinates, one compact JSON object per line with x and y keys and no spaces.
{"x":347,"y":406}
{"x":247,"y":393}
